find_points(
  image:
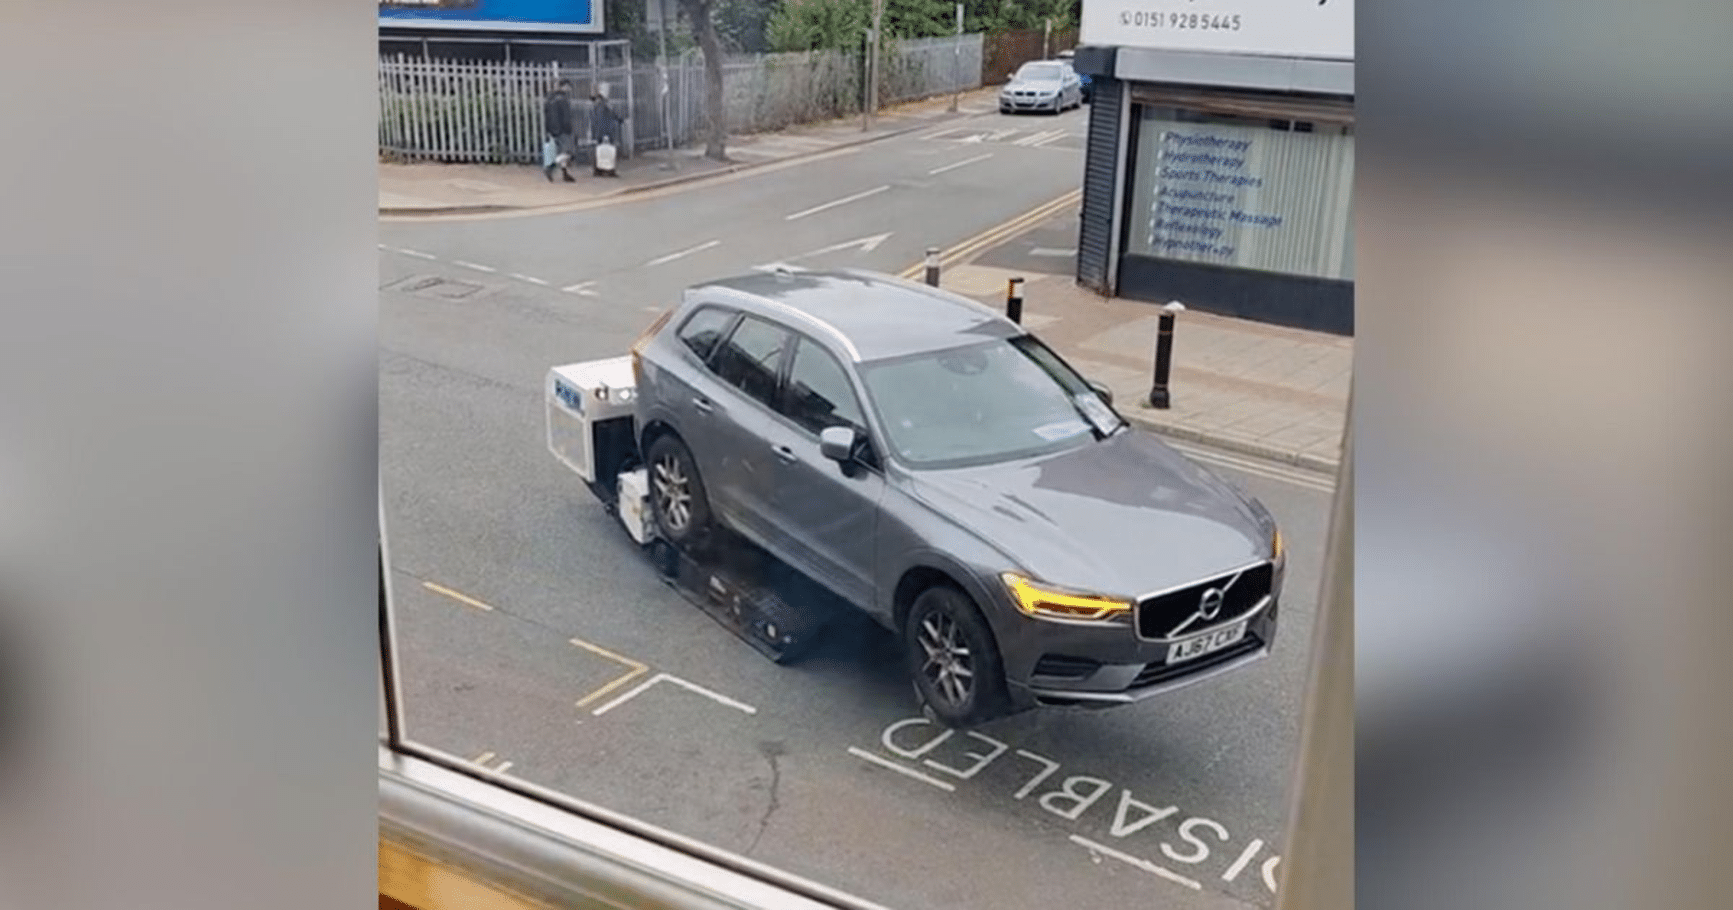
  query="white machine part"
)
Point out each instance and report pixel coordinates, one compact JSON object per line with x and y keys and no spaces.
{"x":581,"y":398}
{"x":634,"y":509}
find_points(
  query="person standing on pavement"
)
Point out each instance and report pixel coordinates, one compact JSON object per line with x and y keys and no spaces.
{"x":557,"y":123}
{"x":604,"y":125}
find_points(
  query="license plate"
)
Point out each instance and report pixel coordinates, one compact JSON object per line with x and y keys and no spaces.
{"x":1207,"y":643}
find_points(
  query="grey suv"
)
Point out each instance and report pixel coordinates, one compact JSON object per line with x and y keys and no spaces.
{"x":940,"y":468}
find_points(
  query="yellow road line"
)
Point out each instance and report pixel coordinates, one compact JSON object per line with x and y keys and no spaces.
{"x":636,"y":670}
{"x":999,"y":233}
{"x":461,"y":598}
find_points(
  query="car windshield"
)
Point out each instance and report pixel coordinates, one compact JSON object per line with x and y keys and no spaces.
{"x":1039,"y":72}
{"x":982,"y":403}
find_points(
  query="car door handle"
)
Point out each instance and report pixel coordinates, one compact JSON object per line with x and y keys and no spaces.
{"x":703,"y":405}
{"x":785,"y":453}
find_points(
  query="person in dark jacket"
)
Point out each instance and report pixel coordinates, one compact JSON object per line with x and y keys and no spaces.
{"x":557,"y":123}
{"x":604,"y":124}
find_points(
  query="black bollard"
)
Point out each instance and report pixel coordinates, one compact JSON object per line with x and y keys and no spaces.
{"x":1014,"y":300}
{"x":1158,"y":397}
{"x":933,"y":266}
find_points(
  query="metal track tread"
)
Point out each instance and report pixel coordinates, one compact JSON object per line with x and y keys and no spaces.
{"x":747,"y":592}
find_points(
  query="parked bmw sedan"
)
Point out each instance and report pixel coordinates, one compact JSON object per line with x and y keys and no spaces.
{"x":946,"y":472}
{"x":1043,"y":85}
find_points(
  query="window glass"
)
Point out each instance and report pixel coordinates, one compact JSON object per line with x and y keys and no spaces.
{"x":818,"y":394}
{"x":973,"y":405}
{"x":703,"y":328}
{"x":1244,"y":193}
{"x":540,"y":494}
{"x":751,"y":358}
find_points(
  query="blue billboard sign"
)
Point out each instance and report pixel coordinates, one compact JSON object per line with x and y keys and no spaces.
{"x":583,"y":16}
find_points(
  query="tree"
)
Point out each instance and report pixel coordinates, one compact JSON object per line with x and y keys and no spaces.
{"x":700,"y":13}
{"x":744,"y":24}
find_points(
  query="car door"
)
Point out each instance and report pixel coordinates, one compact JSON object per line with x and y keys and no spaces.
{"x":827,"y":513}
{"x":738,"y":465}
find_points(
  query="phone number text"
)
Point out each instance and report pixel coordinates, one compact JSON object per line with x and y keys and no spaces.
{"x":1203,"y":22}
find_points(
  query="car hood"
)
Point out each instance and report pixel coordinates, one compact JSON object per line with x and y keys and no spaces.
{"x":1123,"y":516}
{"x":1033,"y":85}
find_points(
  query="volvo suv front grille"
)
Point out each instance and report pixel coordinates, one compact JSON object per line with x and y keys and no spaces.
{"x":1196,"y":607}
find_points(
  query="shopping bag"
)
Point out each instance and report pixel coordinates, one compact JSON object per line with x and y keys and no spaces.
{"x":550,"y":152}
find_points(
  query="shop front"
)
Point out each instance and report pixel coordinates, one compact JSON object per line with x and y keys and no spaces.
{"x":1221,"y":178}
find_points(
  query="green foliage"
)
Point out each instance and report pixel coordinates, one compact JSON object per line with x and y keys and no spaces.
{"x":1016,"y":15}
{"x":744,"y":25}
{"x":800,"y":25}
{"x":625,"y":19}
{"x":805,"y":25}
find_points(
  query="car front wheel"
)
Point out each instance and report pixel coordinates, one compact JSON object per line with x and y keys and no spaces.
{"x":677,"y":497}
{"x":955,"y":663}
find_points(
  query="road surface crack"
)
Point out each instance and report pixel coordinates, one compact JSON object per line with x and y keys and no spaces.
{"x":771,"y":750}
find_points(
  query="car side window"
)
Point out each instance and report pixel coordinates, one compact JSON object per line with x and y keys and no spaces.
{"x":751,"y":358}
{"x":703,"y":329}
{"x":818,"y":394}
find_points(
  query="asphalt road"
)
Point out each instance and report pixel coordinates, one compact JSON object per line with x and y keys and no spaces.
{"x":533,"y":638}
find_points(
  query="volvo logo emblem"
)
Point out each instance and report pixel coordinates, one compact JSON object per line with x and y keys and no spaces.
{"x":1210,"y":605}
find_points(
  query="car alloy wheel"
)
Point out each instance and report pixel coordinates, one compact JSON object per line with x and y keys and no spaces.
{"x":674,"y":493}
{"x":951,"y":654}
{"x":949,"y":667}
{"x":677,"y":497}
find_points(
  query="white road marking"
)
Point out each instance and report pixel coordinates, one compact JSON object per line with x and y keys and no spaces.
{"x":887,"y":763}
{"x":1143,"y":864}
{"x":964,"y":163}
{"x":419,"y":255}
{"x":834,"y":203}
{"x":1062,"y":134}
{"x":471,"y":265}
{"x":1040,"y":138}
{"x":865,"y":244}
{"x":664,"y":260}
{"x":630,"y":694}
{"x":1052,"y":251}
{"x":528,"y":278}
{"x":503,"y":767}
{"x":1270,"y":872}
{"x":483,"y":758}
{"x":718,"y":698}
{"x":1245,"y":858}
{"x":460,"y":598}
{"x":581,"y":288}
{"x":691,"y":687}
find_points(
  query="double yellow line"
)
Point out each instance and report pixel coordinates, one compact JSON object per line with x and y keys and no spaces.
{"x":996,"y":235}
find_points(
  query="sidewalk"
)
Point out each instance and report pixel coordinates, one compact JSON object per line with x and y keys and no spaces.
{"x":1263,"y":390}
{"x":444,"y":189}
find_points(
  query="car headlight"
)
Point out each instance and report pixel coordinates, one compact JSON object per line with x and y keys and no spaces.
{"x":1044,"y":600}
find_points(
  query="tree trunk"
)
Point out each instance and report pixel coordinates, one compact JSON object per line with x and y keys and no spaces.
{"x":698,"y":12}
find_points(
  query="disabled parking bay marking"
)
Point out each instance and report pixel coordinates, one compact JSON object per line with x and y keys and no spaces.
{"x":916,"y":747}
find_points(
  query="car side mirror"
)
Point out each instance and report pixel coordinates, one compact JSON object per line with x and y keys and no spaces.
{"x":838,"y":443}
{"x":1102,"y":390}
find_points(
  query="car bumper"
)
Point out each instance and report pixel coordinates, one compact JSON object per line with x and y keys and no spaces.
{"x":1086,"y":665}
{"x":1015,"y":103}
